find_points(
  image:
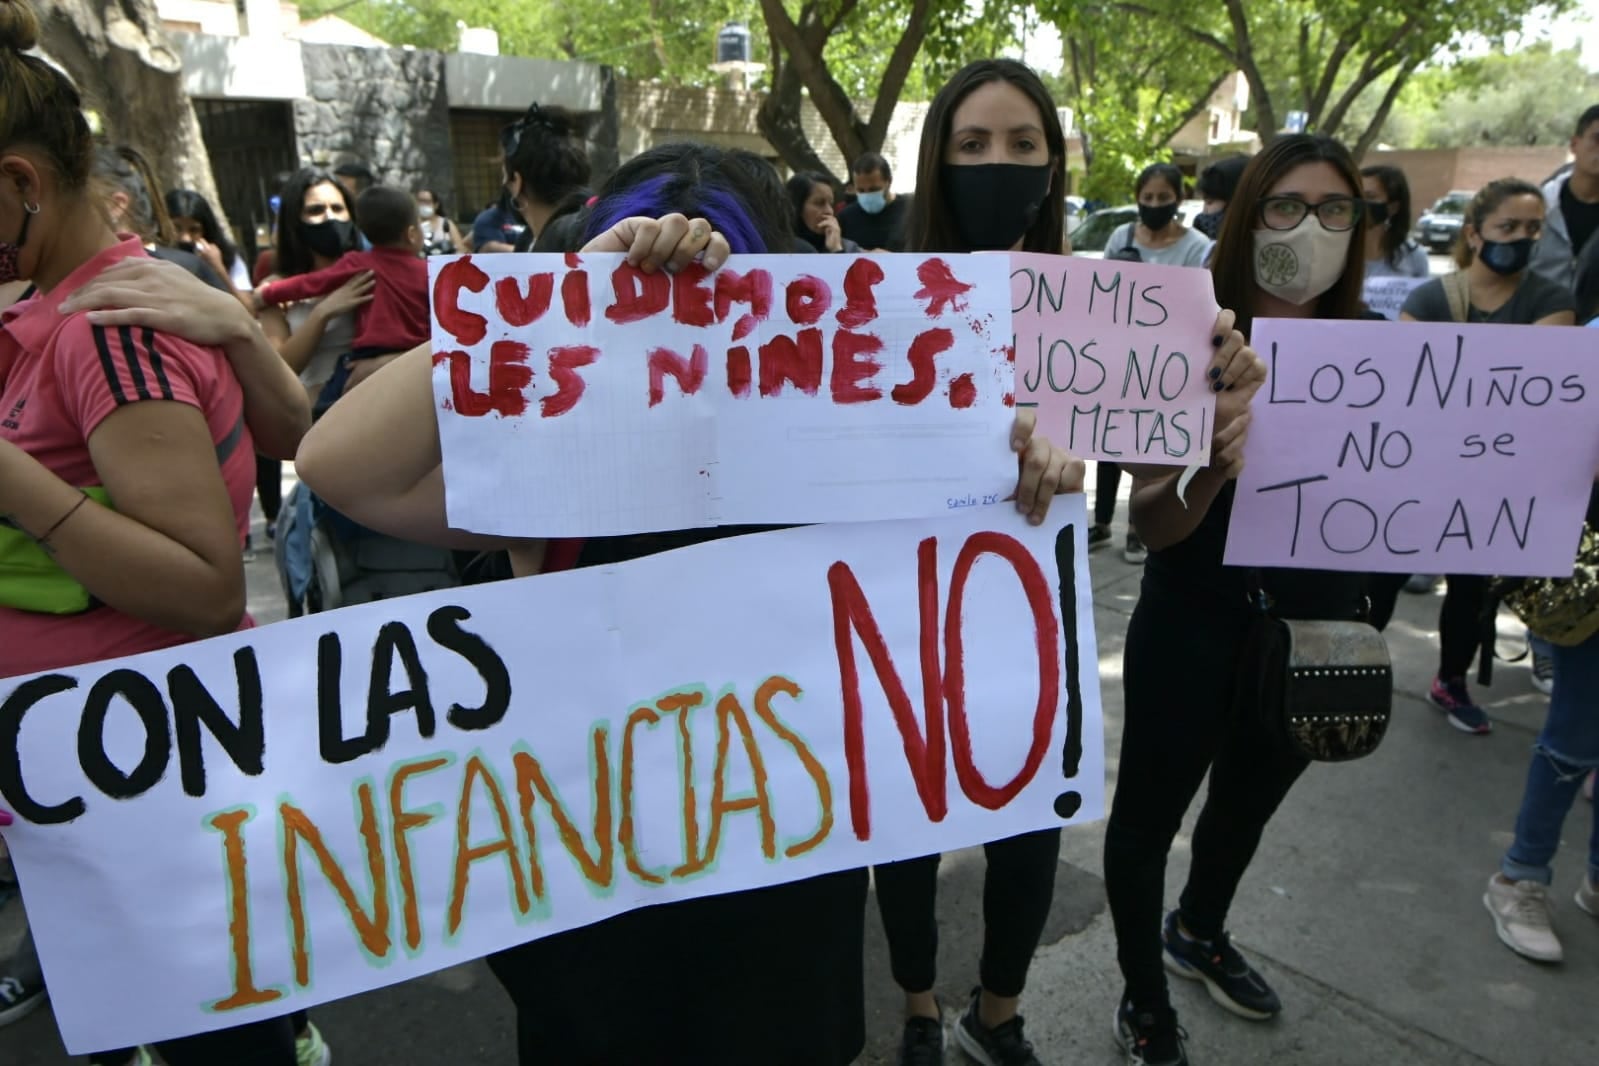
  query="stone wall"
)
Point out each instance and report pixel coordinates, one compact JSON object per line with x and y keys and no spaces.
{"x":385,"y":107}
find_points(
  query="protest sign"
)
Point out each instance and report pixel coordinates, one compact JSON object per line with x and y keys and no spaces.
{"x":289,"y":815}
{"x":779,"y":389}
{"x":1115,"y":356}
{"x":1387,"y":295}
{"x":1410,"y":447}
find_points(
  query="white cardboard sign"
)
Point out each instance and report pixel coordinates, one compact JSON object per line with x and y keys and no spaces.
{"x":298,"y":813}
{"x":802,"y":388}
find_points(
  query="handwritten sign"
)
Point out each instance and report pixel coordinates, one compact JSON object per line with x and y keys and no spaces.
{"x":286,"y":816}
{"x":779,"y":389}
{"x":1419,"y":448}
{"x":1114,"y":355}
{"x":1387,"y":295}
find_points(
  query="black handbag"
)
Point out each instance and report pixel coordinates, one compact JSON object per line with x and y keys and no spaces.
{"x":1323,"y":688}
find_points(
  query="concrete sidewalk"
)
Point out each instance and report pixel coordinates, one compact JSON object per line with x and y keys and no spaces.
{"x":1363,"y":909}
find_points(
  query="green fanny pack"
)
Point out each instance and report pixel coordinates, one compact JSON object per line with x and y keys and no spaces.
{"x":30,"y":578}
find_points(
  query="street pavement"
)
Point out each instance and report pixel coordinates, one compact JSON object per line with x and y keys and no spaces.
{"x":1363,"y":909}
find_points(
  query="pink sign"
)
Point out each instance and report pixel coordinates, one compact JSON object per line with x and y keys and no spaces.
{"x":1414,"y":447}
{"x":1114,"y":356}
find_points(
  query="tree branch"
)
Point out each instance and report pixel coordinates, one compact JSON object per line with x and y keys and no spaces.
{"x":1192,"y":32}
{"x":1245,"y":60}
{"x":1329,"y":75}
{"x":1374,"y":127}
{"x":1340,"y":110}
{"x":805,"y":59}
{"x":894,"y":75}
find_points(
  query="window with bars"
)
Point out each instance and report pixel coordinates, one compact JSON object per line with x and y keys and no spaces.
{"x":475,"y":146}
{"x":251,"y":144}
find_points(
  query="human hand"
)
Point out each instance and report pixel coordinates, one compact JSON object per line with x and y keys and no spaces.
{"x":164,"y":297}
{"x":212,"y":256}
{"x":1236,"y":374}
{"x":669,"y":243}
{"x":349,"y":296}
{"x":832,"y":236}
{"x":1044,"y":471}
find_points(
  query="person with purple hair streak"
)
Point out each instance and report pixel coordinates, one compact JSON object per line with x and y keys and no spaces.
{"x":772,"y":975}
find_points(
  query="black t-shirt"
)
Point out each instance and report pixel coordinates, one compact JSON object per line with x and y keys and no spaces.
{"x":193,"y":264}
{"x":1534,"y":299}
{"x":1581,"y":218}
{"x":884,"y":230}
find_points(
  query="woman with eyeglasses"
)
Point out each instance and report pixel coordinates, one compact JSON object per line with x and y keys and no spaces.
{"x":1389,"y":250}
{"x":1291,"y":245}
{"x":1501,"y":227}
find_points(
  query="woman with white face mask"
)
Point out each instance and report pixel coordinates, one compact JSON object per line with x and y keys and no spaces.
{"x":439,"y":235}
{"x":1291,"y":245}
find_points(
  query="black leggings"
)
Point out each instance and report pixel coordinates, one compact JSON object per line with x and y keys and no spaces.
{"x":1107,"y":481}
{"x":1017,"y":889}
{"x":269,"y":1043}
{"x":1182,"y":719}
{"x":1460,"y":625}
{"x":269,"y":486}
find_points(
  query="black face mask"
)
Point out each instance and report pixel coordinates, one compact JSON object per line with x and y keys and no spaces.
{"x":995,"y":203}
{"x":1209,"y":223}
{"x":329,"y":239}
{"x":1156,"y":217}
{"x":1507,"y":257}
{"x":1377,"y":212}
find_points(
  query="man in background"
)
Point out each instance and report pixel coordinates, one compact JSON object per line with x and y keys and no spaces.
{"x":876,"y":220}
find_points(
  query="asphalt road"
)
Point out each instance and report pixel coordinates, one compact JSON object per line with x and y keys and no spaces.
{"x":1363,"y":909}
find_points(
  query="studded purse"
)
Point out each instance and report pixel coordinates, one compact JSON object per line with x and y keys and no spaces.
{"x":1323,"y":688}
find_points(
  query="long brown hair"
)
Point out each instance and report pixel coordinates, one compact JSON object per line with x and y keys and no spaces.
{"x":1232,"y":264}
{"x":931,"y":226}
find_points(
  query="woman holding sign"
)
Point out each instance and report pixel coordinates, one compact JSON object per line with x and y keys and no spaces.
{"x":1492,"y":284}
{"x":771,"y":975}
{"x":126,"y":467}
{"x":991,"y":162}
{"x":1291,"y":246}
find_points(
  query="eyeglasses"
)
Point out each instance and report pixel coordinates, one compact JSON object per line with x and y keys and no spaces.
{"x":1286,"y":212}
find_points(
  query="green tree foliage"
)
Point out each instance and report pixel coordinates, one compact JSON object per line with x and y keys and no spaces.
{"x":840,"y":52}
{"x":1130,"y":92}
{"x":673,"y":40}
{"x":1527,"y":97}
{"x":1344,"y":63}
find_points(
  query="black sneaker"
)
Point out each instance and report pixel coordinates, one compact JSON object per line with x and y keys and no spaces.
{"x":1003,"y":1045}
{"x":1135,"y":552}
{"x":1098,"y":536}
{"x":21,"y":983}
{"x":1232,"y":982}
{"x":923,"y":1043}
{"x":1150,"y":1037}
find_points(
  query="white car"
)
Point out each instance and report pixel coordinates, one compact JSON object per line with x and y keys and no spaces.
{"x":1093,"y":232}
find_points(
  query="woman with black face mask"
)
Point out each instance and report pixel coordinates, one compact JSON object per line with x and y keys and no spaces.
{"x":1158,"y":236}
{"x":315,"y":226}
{"x":1493,"y":284}
{"x":1389,"y":250}
{"x":990,"y":178}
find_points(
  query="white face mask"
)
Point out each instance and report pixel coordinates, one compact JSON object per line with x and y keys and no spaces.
{"x":1300,"y":264}
{"x":425,"y":212}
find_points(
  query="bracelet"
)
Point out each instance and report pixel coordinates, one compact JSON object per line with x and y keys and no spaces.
{"x":44,"y":540}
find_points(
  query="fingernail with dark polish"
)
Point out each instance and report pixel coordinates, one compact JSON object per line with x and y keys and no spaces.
{"x":1215,"y":342}
{"x":1218,"y":386}
{"x":1215,"y":372}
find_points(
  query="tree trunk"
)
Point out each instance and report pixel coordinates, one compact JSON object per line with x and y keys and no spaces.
{"x":780,"y":122}
{"x":127,"y":71}
{"x":1368,"y":137}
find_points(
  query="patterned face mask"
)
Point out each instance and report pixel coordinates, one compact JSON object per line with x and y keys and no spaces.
{"x":11,"y":253}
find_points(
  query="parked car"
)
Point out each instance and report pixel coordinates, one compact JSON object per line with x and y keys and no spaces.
{"x":1439,"y":225}
{"x":1093,"y":232}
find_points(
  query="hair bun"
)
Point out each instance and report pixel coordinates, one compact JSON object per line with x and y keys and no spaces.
{"x":19,"y":26}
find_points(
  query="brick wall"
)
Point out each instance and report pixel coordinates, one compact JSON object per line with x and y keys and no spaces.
{"x":1434,"y":172}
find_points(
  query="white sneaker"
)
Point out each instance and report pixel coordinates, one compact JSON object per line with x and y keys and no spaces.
{"x":1521,"y":914}
{"x":1588,"y":896}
